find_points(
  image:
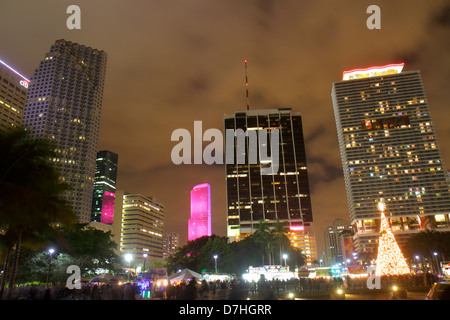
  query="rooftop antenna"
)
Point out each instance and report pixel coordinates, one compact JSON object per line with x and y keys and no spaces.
{"x":246,"y":83}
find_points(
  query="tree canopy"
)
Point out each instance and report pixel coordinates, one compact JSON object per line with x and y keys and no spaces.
{"x":31,"y":195}
{"x":428,"y":242}
{"x":234,"y":257}
{"x":88,"y":248}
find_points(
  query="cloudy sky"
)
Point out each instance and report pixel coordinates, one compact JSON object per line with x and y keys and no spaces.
{"x":171,"y":62}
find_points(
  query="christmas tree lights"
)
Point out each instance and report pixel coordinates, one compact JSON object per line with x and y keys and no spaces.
{"x":390,"y":260}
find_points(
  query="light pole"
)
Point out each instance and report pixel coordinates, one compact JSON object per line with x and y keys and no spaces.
{"x":215,"y":261}
{"x":438,"y":268}
{"x":129,"y":257}
{"x":145,"y":258}
{"x":285,"y":257}
{"x":417,"y":258}
{"x":50,"y":252}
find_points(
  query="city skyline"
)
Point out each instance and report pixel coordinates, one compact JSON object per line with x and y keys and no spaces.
{"x":184,"y":62}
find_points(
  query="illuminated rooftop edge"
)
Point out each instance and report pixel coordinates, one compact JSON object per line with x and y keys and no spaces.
{"x":15,"y":71}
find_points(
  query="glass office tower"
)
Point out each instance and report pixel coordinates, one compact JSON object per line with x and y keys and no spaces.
{"x":282,"y":195}
{"x":389,"y":150}
{"x":64,"y":105}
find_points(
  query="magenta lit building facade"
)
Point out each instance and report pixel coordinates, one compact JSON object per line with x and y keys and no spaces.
{"x":108,"y":207}
{"x":200,"y":221}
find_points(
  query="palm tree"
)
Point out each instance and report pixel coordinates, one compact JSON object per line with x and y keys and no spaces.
{"x":31,"y":195}
{"x":279,"y":236}
{"x":262,"y":236}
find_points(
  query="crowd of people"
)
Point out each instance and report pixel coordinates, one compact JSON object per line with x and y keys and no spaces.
{"x":204,"y":290}
{"x":128,"y":291}
{"x":416,"y":280}
{"x":195,"y":289}
{"x":267,"y":290}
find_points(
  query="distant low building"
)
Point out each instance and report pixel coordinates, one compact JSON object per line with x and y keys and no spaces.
{"x":333,"y":241}
{"x":170,"y":243}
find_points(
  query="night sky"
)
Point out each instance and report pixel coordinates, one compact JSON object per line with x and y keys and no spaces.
{"x":171,"y":62}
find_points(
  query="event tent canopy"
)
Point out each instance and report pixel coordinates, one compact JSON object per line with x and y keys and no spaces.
{"x":184,"y":275}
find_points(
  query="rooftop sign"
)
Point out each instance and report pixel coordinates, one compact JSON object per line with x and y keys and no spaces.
{"x":373,"y":71}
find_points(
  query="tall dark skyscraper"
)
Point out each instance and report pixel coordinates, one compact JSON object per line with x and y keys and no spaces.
{"x":104,"y":186}
{"x":64,"y":105}
{"x":283,"y":195}
{"x":389,"y":150}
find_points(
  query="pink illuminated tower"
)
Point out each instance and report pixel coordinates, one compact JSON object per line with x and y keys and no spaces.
{"x":200,"y":221}
{"x":107,"y":214}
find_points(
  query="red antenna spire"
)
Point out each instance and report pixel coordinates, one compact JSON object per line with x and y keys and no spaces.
{"x":246,"y":83}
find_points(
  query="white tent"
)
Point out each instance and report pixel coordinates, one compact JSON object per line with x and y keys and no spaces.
{"x":184,"y":275}
{"x":104,"y":278}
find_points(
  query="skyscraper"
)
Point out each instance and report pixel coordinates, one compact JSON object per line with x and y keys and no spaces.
{"x":139,"y":226}
{"x":282,"y":195}
{"x":200,"y":221}
{"x":104,"y":186}
{"x":13,"y":96}
{"x":64,"y":105}
{"x":389,"y":150}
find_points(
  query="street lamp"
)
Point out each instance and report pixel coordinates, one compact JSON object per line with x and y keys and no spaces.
{"x":128,"y":257}
{"x":50,"y":252}
{"x":215,"y":261}
{"x":285,"y":257}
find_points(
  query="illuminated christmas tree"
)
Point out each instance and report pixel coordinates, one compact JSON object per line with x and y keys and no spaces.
{"x":390,"y":260}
